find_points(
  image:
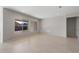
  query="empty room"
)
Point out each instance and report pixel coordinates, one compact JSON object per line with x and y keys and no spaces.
{"x":39,"y":29}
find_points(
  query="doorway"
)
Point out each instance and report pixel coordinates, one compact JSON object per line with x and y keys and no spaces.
{"x":71,"y":27}
{"x":34,"y":26}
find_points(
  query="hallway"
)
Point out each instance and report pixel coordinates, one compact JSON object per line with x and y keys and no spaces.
{"x":41,"y":43}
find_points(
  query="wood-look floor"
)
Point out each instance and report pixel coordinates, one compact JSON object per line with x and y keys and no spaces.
{"x":41,"y":43}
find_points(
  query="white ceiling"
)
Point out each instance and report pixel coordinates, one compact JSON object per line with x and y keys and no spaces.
{"x":45,"y":11}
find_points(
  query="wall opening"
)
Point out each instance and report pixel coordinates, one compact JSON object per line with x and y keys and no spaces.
{"x":71,"y":27}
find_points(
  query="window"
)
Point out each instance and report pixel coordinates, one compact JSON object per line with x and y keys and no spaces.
{"x":21,"y":25}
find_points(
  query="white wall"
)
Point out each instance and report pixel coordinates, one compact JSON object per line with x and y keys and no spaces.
{"x":55,"y":26}
{"x":9,"y":24}
{"x":1,"y":25}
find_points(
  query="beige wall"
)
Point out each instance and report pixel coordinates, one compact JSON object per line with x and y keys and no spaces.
{"x":9,"y":24}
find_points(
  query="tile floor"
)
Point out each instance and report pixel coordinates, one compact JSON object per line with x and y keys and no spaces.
{"x":41,"y":43}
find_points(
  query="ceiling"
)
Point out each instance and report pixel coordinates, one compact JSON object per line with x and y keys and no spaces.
{"x":45,"y":11}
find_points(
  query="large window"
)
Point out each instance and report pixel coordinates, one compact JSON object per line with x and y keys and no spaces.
{"x":21,"y":25}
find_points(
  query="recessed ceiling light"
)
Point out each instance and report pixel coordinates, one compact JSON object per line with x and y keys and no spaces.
{"x":60,"y":6}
